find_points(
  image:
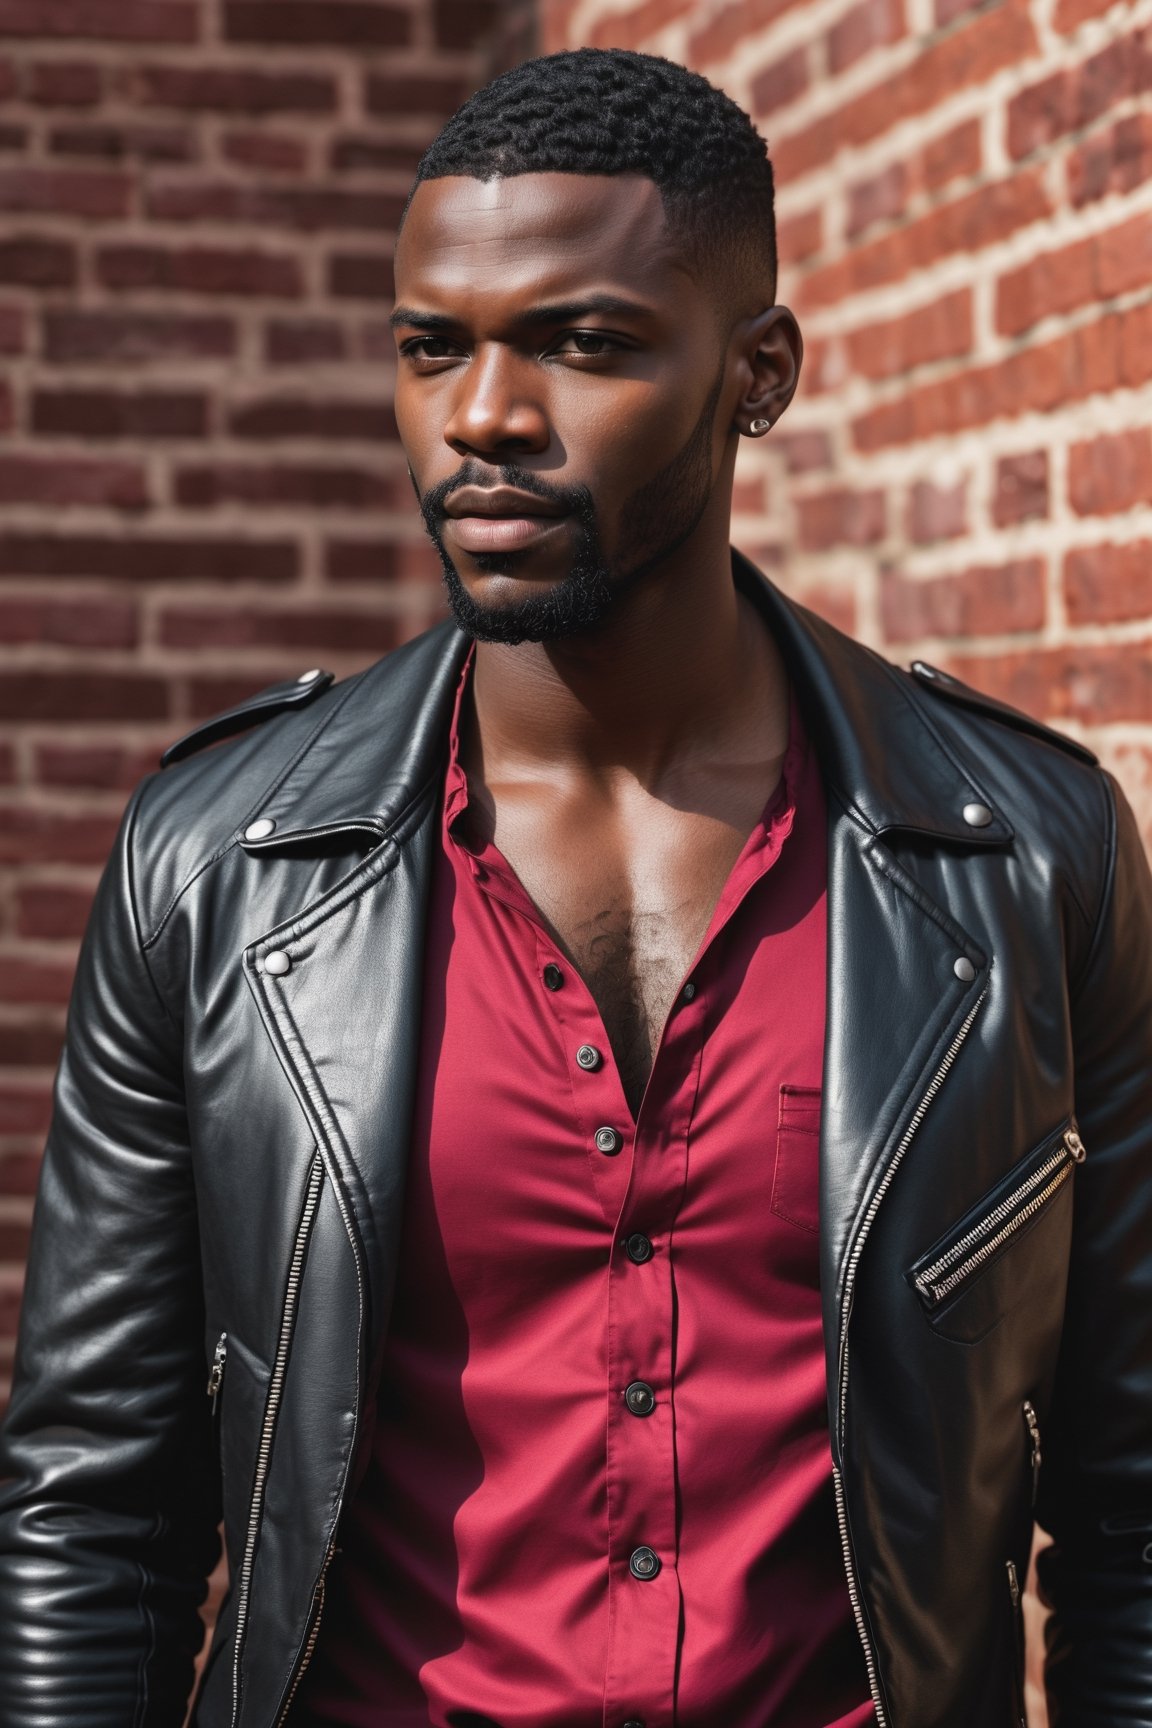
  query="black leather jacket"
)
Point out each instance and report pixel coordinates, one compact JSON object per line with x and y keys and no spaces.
{"x":227,"y":1157}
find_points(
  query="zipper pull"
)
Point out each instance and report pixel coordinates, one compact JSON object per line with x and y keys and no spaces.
{"x":1033,"y":1423}
{"x":1075,"y":1145}
{"x":216,"y":1372}
{"x":1013,"y":1583}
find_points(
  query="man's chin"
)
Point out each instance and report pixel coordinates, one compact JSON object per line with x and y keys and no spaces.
{"x":572,"y":606}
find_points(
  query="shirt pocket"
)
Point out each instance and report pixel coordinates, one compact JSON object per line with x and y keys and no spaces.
{"x":796,"y":1177}
{"x":971,"y":1263}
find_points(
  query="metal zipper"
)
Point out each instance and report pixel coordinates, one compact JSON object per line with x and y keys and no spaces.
{"x":216,"y":1372}
{"x":271,"y":1411}
{"x":315,"y":1613}
{"x":1032,"y":1422}
{"x":985,"y":1239}
{"x":1018,"y":1671}
{"x":857,"y":1249}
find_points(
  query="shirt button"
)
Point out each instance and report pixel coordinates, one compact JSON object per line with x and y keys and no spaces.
{"x":588,"y":1057}
{"x":644,"y":1563}
{"x":277,"y":963}
{"x":553,"y":977}
{"x":640,"y":1398}
{"x":633,"y":1722}
{"x":608,"y":1141}
{"x":688,"y":991}
{"x":639,"y":1248}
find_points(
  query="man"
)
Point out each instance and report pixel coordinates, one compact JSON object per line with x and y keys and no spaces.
{"x":639,"y":1110}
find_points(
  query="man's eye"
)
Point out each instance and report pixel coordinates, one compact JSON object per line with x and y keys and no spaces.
{"x":591,"y":342}
{"x":427,"y":348}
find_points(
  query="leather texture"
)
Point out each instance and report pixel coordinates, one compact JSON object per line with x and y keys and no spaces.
{"x":227,"y":1155}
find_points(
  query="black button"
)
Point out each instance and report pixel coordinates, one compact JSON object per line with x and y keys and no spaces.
{"x":640,"y":1398}
{"x":639,"y":1248}
{"x":688,"y":992}
{"x":633,"y":1722}
{"x":644,"y":1563}
{"x":588,"y":1057}
{"x":553,"y":977}
{"x":608,"y":1141}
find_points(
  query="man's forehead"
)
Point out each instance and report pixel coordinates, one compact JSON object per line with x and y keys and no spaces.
{"x":458,"y":229}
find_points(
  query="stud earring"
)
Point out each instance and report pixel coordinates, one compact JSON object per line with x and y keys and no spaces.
{"x":759,"y":426}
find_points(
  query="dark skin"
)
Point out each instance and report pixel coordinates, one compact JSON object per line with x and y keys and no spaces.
{"x":619,"y":770}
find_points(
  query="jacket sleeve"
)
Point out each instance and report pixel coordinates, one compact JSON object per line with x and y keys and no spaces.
{"x":108,"y":1497}
{"x":1096,"y":1480}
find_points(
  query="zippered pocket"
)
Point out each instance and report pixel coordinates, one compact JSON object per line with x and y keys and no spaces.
{"x":990,"y":1227}
{"x":1016,"y":1600}
{"x":216,"y":1372}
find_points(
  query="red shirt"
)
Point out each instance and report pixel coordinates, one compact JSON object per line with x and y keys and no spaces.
{"x":600,"y":1491}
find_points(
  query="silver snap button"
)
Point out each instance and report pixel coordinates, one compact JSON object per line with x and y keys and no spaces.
{"x":608,"y":1141}
{"x":644,"y":1563}
{"x":310,"y":676}
{"x":260,"y":829}
{"x":964,"y":969}
{"x":977,"y":815}
{"x":277,"y":963}
{"x":588,"y":1057}
{"x":688,"y":991}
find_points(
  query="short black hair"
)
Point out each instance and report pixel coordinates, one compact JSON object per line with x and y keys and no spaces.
{"x":612,"y":111}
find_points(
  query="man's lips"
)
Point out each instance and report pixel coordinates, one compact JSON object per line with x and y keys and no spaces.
{"x":501,"y":533}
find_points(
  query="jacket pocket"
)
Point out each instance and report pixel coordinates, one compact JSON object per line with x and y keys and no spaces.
{"x":796,"y":1177}
{"x":974,"y":1245}
{"x":1016,"y":1602}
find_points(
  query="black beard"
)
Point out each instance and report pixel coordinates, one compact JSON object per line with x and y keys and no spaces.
{"x":658,"y":518}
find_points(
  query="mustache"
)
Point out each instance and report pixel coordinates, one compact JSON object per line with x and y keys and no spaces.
{"x":574,"y":499}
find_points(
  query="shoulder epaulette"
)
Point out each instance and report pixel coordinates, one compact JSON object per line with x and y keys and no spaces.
{"x":953,"y":690}
{"x":276,"y":699}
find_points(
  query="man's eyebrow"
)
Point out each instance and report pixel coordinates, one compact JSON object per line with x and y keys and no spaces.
{"x":554,"y":312}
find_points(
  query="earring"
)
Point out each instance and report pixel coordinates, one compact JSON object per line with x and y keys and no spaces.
{"x":759,"y":426}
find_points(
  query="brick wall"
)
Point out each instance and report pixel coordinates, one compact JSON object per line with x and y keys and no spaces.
{"x":964,"y":198}
{"x":200,"y":485}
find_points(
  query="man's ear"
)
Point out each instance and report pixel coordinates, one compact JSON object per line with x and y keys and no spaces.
{"x":772,"y":349}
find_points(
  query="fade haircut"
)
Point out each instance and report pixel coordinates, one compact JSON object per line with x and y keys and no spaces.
{"x":612,"y":111}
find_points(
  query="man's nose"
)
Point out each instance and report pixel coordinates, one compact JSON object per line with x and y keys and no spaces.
{"x":497,"y":407}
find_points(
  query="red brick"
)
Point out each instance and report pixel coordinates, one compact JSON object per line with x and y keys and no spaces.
{"x":1000,"y":36}
{"x":30,"y":1044}
{"x":956,"y":154}
{"x":360,"y":276}
{"x":12,"y":334}
{"x":966,"y":224}
{"x":341,"y":23}
{"x":831,"y":601}
{"x":9,"y":80}
{"x":82,"y":695}
{"x":19,"y":1174}
{"x":14,"y":1237}
{"x":799,"y":236}
{"x":1108,"y":584}
{"x":1134,"y":347}
{"x":297,"y":486}
{"x":361,"y":561}
{"x":236,"y":89}
{"x":276,"y":152}
{"x":111,"y":20}
{"x":1123,"y":257}
{"x":1021,"y":488}
{"x":1072,"y":98}
{"x":120,"y":338}
{"x":1117,"y":159}
{"x":880,"y":198}
{"x":7,"y":764}
{"x":315,"y":628}
{"x":1095,"y":685}
{"x":947,"y":11}
{"x":1112,"y":473}
{"x":630,"y":29}
{"x":119,"y":413}
{"x":36,"y":836}
{"x":311,"y":208}
{"x":64,"y":83}
{"x":780,"y":82}
{"x":97,"y":195}
{"x":939,"y":331}
{"x":200,"y":270}
{"x":840,"y":517}
{"x":804,"y":452}
{"x":1049,"y":283}
{"x":56,"y":480}
{"x":353,"y":155}
{"x":34,"y":261}
{"x":13,"y":139}
{"x":107,"y":623}
{"x":86,"y":767}
{"x":1070,"y":14}
{"x":25,"y":1109}
{"x":208,"y":696}
{"x":51,"y":910}
{"x":304,"y":341}
{"x":145,"y":558}
{"x":937,"y":512}
{"x":114,"y":143}
{"x":407,"y":93}
{"x":305,"y":417}
{"x":867,"y":25}
{"x":725,"y":30}
{"x":985,"y":600}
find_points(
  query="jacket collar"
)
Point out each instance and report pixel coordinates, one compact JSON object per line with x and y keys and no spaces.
{"x":384,"y":739}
